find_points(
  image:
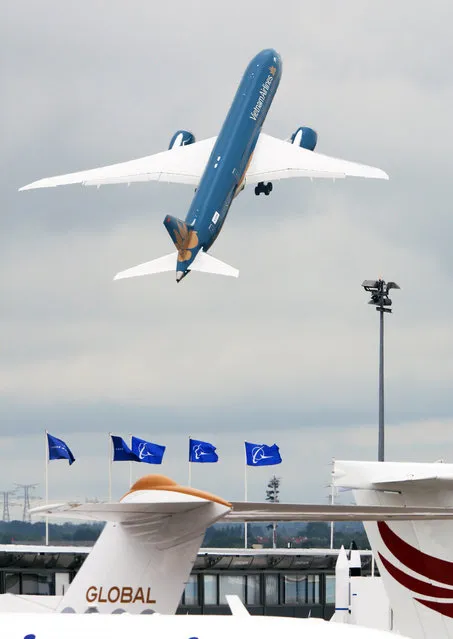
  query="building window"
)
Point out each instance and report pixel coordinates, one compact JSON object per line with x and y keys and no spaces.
{"x":313,"y":588}
{"x":271,"y":590}
{"x":191,"y":591}
{"x":295,"y":589}
{"x":232,"y":585}
{"x":210,"y":590}
{"x":12,"y":582}
{"x":33,"y":584}
{"x":253,"y":590}
{"x":330,"y":589}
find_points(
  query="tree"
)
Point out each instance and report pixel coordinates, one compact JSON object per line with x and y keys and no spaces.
{"x":272,"y":495}
{"x":273,"y":489}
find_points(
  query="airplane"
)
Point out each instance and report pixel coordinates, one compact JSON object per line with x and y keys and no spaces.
{"x":414,"y":556}
{"x":219,"y":168}
{"x":144,"y":555}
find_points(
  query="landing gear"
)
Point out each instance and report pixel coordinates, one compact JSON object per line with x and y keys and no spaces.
{"x":263,"y":188}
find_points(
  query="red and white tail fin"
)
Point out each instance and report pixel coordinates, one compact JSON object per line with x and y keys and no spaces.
{"x":144,"y":556}
{"x":415,"y":558}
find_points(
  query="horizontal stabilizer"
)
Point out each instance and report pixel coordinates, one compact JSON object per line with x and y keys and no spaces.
{"x":160,"y":265}
{"x":264,"y":512}
{"x":205,"y":263}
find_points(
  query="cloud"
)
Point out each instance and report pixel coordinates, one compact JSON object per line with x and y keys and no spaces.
{"x":288,"y":350}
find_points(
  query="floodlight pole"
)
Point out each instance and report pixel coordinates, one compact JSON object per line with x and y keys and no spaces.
{"x":380,"y":299}
{"x":381,"y":437}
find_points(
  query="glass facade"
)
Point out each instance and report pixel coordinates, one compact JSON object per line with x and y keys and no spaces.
{"x":294,"y":589}
{"x":190,"y":597}
{"x":210,"y":590}
{"x":231,"y":585}
{"x":313,"y":589}
{"x":29,"y":583}
{"x":330,"y":589}
{"x":271,"y":590}
{"x":253,"y":590}
{"x":12,"y":582}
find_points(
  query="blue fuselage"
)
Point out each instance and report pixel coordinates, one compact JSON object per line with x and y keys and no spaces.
{"x":225,"y":171}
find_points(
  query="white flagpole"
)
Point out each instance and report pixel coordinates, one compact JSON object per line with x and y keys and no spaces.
{"x":189,"y":479}
{"x":130,"y":464}
{"x":332,"y":495}
{"x":110,"y":466}
{"x":47,"y":486}
{"x":245,"y":499}
{"x":332,"y":498}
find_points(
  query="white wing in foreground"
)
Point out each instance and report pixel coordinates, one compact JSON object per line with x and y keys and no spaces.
{"x":184,"y":164}
{"x":276,"y":159}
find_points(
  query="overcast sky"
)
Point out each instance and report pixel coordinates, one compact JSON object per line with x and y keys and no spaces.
{"x":287,"y":353}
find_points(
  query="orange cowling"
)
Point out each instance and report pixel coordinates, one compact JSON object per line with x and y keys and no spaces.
{"x":161,"y":482}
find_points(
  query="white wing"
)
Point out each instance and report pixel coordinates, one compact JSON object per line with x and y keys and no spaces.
{"x":184,"y":164}
{"x":276,"y":159}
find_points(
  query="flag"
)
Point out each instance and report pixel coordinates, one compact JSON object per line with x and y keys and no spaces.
{"x":121,"y":451}
{"x":58,"y":449}
{"x":202,"y":452}
{"x":262,"y":455}
{"x":147,"y":452}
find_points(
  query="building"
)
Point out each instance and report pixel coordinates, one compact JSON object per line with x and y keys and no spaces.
{"x":291,"y":582}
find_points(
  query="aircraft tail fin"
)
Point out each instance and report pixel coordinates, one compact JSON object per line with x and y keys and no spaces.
{"x":415,"y":557}
{"x":144,"y":555}
{"x":179,"y":231}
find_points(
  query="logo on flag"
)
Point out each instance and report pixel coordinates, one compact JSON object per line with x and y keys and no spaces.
{"x":58,"y":449}
{"x":202,"y":452}
{"x":121,"y":451}
{"x":262,"y":455}
{"x":147,"y":452}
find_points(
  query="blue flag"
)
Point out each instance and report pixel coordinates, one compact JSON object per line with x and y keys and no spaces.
{"x":121,"y":451}
{"x":147,"y":452}
{"x":202,"y":452}
{"x":262,"y":455}
{"x":58,"y":449}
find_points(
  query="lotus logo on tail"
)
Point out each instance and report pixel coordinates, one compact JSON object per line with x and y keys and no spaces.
{"x":425,"y":565}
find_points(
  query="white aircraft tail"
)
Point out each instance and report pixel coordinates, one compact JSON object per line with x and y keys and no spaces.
{"x":203,"y":262}
{"x":415,"y":558}
{"x":143,"y":557}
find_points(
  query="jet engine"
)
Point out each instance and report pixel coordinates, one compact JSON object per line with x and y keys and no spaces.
{"x":305,"y":137}
{"x":181,"y":138}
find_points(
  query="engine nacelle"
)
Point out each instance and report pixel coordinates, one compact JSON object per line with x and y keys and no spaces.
{"x":181,"y":138}
{"x":305,"y":137}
